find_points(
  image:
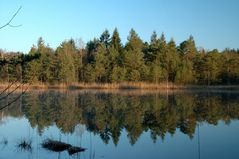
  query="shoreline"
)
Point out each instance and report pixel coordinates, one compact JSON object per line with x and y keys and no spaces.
{"x":118,"y":86}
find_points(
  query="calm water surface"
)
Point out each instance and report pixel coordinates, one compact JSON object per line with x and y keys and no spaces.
{"x":122,"y":125}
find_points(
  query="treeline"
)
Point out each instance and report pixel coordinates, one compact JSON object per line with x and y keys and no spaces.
{"x":107,"y":60}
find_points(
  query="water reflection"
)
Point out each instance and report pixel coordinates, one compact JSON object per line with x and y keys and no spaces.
{"x":109,"y":114}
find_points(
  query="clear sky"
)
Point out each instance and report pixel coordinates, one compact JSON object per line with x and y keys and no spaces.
{"x":213,"y":23}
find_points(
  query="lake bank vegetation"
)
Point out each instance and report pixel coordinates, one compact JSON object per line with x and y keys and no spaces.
{"x":117,"y":86}
{"x":105,"y":63}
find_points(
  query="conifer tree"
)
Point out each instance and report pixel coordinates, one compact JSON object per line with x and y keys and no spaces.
{"x":101,"y":63}
{"x":134,"y":61}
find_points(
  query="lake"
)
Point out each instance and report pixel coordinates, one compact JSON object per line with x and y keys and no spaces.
{"x":121,"y":124}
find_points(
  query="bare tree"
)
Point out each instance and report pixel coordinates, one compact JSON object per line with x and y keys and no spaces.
{"x":3,"y":61}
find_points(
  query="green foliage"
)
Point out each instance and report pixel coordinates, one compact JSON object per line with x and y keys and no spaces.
{"x":118,"y":74}
{"x":156,"y":74}
{"x":211,"y":67}
{"x":185,"y":73}
{"x":230,"y":67}
{"x":172,"y":60}
{"x":89,"y":73}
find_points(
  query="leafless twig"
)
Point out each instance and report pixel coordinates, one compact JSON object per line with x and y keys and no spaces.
{"x":9,"y":22}
{"x":14,"y":100}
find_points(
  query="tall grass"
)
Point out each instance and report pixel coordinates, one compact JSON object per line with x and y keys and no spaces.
{"x":123,"y":85}
{"x":24,"y":145}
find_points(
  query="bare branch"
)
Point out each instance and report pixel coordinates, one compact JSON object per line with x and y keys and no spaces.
{"x":8,"y":94}
{"x":9,"y":86}
{"x":14,"y":26}
{"x":14,"y":100}
{"x":9,"y":22}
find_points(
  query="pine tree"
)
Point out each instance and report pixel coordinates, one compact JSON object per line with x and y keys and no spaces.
{"x":65,"y":65}
{"x":211,"y":67}
{"x":89,"y":73}
{"x":134,"y":61}
{"x":105,"y":38}
{"x":32,"y":69}
{"x":91,"y":48}
{"x":173,"y":60}
{"x":186,"y":73}
{"x":101,"y":64}
{"x":118,"y":74}
{"x":162,"y":57}
{"x":150,"y":51}
{"x":116,"y":41}
{"x":230,"y":70}
{"x":116,"y":71}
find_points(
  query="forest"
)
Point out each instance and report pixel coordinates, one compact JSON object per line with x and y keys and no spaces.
{"x":107,"y":60}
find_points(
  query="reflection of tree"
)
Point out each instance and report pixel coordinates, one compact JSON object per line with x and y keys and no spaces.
{"x":44,"y":109}
{"x":108,"y":114}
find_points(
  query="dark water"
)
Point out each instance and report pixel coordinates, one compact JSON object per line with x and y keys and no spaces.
{"x":122,"y":125}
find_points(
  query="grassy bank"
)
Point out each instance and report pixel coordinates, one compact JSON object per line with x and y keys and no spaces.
{"x":119,"y":86}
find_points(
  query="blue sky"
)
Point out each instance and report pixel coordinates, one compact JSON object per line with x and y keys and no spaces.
{"x":213,"y":23}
